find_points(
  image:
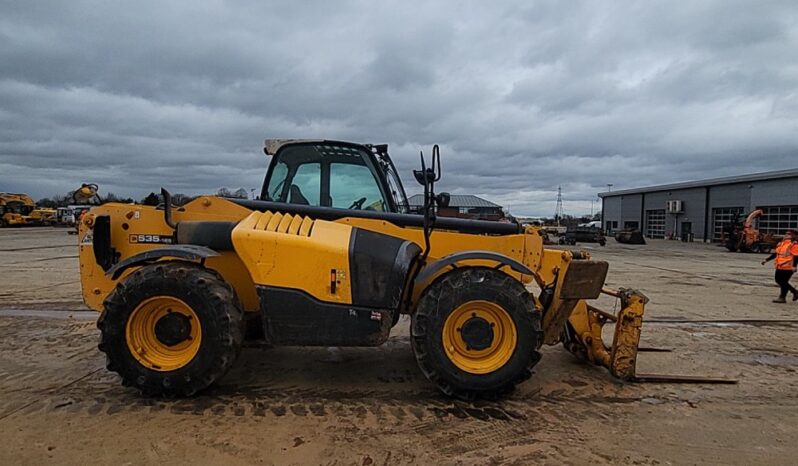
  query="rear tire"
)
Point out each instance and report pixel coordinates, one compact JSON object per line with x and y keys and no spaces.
{"x":177,"y":355}
{"x":474,"y":368}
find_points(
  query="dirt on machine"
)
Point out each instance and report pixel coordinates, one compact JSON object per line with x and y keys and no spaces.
{"x":329,"y":255}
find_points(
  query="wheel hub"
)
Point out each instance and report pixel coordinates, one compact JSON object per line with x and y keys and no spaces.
{"x":173,"y":328}
{"x":477,"y":333}
{"x":479,"y":336}
{"x":163,"y":333}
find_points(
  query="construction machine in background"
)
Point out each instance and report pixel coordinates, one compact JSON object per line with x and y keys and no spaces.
{"x":742,"y":236}
{"x":583,"y":234}
{"x":14,"y":209}
{"x":328,"y":256}
{"x":43,"y":216}
{"x":630,"y":236}
{"x":20,"y":210}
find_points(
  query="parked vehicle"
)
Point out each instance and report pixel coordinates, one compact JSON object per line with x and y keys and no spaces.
{"x":583,"y":235}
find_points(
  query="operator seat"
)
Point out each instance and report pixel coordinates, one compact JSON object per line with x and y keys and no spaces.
{"x":296,"y":197}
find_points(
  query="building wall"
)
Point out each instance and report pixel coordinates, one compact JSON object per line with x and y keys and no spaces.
{"x":732,"y":195}
{"x":693,"y":204}
{"x":748,"y":196}
{"x":774,"y":192}
{"x":630,"y":209}
{"x":611,"y":211}
{"x":623,"y":209}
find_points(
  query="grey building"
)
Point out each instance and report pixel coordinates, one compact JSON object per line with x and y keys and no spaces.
{"x":462,"y":206}
{"x":702,"y":208}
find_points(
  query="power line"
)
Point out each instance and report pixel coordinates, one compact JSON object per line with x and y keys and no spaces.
{"x":558,"y":211}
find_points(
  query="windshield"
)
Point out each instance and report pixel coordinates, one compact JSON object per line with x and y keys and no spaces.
{"x":353,"y":186}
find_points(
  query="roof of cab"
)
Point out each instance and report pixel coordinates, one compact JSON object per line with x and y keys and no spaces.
{"x":271,"y":146}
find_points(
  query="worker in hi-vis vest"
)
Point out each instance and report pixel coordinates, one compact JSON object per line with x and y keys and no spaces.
{"x":786,"y":256}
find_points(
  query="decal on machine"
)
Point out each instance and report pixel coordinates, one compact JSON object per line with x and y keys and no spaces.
{"x":151,"y":239}
{"x":87,"y":240}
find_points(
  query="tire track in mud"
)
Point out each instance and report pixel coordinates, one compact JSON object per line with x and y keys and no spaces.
{"x":392,"y":396}
{"x":34,"y":248}
{"x":95,"y":397}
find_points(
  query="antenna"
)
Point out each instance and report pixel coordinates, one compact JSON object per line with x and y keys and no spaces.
{"x":558,"y":212}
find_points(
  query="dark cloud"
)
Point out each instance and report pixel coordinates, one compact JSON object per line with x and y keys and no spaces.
{"x":523,"y":97}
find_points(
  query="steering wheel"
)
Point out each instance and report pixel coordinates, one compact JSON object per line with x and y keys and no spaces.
{"x":358,"y":204}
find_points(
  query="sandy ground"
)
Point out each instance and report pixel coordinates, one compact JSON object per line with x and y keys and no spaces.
{"x":372,"y":406}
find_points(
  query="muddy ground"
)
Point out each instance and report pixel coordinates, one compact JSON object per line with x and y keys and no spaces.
{"x":372,"y":406}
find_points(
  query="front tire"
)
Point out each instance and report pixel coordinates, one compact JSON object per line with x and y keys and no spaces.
{"x":171,"y":329}
{"x":476,"y":333}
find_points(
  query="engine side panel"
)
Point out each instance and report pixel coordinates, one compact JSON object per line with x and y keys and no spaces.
{"x":316,"y":260}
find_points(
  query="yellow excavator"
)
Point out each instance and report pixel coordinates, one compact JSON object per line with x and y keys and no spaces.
{"x":329,"y":255}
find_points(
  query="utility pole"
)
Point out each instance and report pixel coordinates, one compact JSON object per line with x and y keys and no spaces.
{"x":558,"y":211}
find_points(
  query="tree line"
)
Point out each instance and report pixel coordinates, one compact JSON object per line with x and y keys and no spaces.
{"x":152,"y":199}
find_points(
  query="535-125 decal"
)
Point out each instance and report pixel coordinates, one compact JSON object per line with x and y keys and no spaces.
{"x":150,"y":239}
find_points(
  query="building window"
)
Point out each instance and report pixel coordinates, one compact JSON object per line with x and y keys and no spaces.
{"x":776,"y":220}
{"x":633,"y":225}
{"x":721,"y":217}
{"x":655,"y":223}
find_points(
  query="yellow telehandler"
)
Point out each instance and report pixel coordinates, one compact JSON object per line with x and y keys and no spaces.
{"x":329,"y":255}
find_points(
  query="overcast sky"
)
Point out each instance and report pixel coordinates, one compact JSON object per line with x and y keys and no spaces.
{"x":522,"y":96}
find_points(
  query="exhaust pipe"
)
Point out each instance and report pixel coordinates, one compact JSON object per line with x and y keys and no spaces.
{"x":167,"y":209}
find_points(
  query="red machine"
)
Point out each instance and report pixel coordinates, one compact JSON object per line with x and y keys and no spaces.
{"x":744,"y":237}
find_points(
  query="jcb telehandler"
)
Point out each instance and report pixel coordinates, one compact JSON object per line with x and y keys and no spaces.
{"x":328,"y":255}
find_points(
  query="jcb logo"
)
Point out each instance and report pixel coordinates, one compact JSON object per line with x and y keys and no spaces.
{"x":150,"y":239}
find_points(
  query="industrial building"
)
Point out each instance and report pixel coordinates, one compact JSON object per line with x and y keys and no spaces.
{"x":463,"y":206}
{"x":700,"y":209}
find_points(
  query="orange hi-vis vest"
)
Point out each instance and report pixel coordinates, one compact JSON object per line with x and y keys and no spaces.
{"x":784,"y":254}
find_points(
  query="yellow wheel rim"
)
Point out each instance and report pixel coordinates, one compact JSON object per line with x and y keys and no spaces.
{"x":479,"y":337}
{"x":163,"y":333}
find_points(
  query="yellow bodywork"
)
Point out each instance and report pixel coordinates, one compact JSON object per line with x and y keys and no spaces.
{"x":283,"y":250}
{"x":293,"y":251}
{"x":15,"y":209}
{"x":137,"y":220}
{"x":19,"y":210}
{"x":296,"y":252}
{"x":42,"y":216}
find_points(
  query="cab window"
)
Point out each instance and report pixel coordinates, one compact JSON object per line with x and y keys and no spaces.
{"x":275,"y":189}
{"x":305,"y":187}
{"x":354,"y":187}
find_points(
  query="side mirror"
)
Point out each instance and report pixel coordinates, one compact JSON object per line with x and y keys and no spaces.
{"x":443,"y":199}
